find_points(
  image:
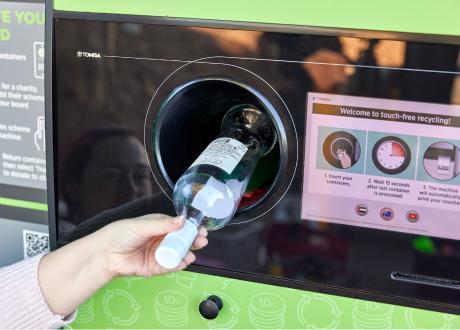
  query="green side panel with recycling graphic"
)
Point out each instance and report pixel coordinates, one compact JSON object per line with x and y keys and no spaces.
{"x":171,"y":301}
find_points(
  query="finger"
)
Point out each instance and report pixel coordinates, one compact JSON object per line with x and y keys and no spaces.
{"x":199,"y":243}
{"x":160,"y":270}
{"x":159,"y":226}
{"x":189,"y":257}
{"x":203,"y":232}
{"x":154,"y":216}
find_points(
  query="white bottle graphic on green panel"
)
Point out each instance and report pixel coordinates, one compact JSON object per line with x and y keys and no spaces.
{"x":209,"y":192}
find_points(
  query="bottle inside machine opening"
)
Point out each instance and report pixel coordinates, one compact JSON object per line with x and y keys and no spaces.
{"x":209,"y":192}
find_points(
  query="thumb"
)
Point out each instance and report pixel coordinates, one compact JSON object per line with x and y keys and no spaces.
{"x":160,"y":226}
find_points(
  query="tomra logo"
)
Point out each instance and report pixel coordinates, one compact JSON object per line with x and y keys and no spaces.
{"x":84,"y":54}
{"x":322,"y":98}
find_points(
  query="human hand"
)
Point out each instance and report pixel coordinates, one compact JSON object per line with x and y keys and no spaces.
{"x":345,"y":160}
{"x":72,"y":274}
{"x":129,"y":245}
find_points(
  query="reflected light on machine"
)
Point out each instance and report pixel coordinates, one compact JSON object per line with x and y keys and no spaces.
{"x":353,"y":48}
{"x":455,"y":95}
{"x":233,"y":42}
{"x":324,"y":76}
{"x":390,"y":53}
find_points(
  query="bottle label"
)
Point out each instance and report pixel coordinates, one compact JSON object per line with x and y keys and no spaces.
{"x":225,"y":153}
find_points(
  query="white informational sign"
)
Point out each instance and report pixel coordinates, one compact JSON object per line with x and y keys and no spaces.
{"x":383,"y":164}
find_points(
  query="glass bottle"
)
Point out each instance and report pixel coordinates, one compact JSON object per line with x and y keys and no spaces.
{"x":209,"y":192}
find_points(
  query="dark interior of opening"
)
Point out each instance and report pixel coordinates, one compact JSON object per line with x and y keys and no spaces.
{"x":192,"y":118}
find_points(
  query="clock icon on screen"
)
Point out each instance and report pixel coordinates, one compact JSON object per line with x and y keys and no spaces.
{"x":391,"y":155}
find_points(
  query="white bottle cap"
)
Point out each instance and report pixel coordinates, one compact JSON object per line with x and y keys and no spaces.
{"x":175,"y":245}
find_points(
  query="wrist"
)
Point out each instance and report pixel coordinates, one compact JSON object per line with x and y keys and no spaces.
{"x":72,"y":274}
{"x":99,"y":260}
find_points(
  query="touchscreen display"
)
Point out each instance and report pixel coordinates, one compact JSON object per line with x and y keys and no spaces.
{"x":384,"y":164}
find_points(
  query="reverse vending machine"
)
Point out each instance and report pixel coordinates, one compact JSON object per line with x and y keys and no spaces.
{"x":349,"y":219}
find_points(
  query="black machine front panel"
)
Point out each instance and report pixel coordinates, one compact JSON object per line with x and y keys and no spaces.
{"x":360,"y":191}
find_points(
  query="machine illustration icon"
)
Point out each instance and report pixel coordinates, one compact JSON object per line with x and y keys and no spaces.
{"x":442,"y":161}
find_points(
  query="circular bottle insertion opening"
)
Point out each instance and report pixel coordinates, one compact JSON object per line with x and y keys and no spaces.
{"x":263,"y":177}
{"x":190,"y":118}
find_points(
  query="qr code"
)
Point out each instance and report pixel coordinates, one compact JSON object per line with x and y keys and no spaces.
{"x":35,"y":243}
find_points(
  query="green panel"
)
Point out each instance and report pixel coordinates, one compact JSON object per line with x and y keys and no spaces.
{"x":417,"y":16}
{"x":171,"y":301}
{"x":24,"y":204}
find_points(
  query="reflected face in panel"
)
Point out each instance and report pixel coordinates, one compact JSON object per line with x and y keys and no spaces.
{"x":117,"y":173}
